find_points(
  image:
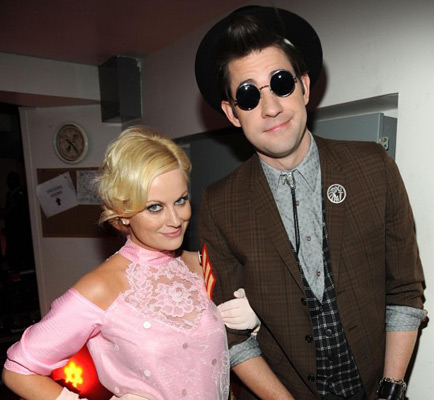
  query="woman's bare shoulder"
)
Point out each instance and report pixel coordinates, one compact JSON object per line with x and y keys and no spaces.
{"x":104,"y":284}
{"x":191,"y":259}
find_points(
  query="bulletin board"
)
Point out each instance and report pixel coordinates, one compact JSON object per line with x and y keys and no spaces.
{"x":79,"y":221}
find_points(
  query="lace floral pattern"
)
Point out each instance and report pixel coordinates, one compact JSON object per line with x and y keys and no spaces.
{"x":169,"y":292}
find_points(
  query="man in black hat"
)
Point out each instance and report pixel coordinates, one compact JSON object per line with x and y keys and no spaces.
{"x":319,"y":233}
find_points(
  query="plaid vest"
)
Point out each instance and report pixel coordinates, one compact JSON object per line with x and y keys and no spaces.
{"x":336,"y":369}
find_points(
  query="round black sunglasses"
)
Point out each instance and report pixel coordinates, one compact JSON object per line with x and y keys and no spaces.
{"x":282,"y":84}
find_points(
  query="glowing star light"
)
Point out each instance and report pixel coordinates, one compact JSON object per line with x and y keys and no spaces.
{"x":73,"y":374}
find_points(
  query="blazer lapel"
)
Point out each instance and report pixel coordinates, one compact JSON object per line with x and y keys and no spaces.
{"x":264,"y":206}
{"x":331,"y":174}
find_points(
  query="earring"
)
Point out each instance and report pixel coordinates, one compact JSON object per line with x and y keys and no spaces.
{"x":124,"y":221}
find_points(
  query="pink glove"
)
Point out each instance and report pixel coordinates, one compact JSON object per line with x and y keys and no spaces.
{"x":237,"y":313}
{"x":66,"y":394}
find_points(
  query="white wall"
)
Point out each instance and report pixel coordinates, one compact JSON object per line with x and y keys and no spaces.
{"x":60,"y":262}
{"x":371,"y":48}
{"x":31,"y":75}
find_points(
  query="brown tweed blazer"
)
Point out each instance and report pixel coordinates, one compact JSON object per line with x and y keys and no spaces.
{"x":373,"y":251}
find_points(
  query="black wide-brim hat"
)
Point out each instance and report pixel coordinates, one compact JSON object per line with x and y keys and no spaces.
{"x":285,"y":23}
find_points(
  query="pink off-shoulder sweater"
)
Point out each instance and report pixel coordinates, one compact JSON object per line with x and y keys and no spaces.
{"x":161,"y":339}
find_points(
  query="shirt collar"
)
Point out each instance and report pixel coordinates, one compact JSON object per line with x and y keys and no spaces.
{"x":308,"y":169}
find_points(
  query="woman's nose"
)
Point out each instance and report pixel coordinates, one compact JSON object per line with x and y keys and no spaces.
{"x":173,"y":218}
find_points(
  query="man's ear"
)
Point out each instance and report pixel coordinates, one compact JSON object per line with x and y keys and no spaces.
{"x":305,"y":87}
{"x":230,"y":112}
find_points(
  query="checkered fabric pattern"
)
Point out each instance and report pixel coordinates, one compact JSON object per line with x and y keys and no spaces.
{"x":336,"y":369}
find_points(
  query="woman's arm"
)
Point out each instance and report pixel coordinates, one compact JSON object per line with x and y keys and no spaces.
{"x":49,"y":344}
{"x":37,"y":387}
{"x":72,"y":319}
{"x":31,"y":387}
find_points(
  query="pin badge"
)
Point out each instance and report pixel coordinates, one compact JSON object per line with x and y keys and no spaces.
{"x":336,"y":193}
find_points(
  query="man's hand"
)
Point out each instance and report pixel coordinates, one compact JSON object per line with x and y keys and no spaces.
{"x":237,"y":313}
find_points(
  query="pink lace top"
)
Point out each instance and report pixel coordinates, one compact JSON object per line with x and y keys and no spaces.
{"x":161,"y":339}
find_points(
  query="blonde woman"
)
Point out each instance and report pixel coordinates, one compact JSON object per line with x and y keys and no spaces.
{"x":144,"y":313}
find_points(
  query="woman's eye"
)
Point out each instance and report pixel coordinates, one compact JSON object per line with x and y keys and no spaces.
{"x":182,"y":200}
{"x":154,"y":208}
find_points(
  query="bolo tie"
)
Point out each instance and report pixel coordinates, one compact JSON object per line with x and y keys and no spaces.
{"x":290,"y":181}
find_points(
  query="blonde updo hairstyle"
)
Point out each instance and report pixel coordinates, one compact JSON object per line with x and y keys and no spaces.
{"x":131,"y":163}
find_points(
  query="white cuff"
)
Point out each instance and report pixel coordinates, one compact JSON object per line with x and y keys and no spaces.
{"x":66,"y":394}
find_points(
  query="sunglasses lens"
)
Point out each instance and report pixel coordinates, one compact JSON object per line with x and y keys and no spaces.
{"x":247,"y":96}
{"x":282,"y":83}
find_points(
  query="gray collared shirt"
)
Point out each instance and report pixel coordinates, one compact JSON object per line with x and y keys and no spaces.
{"x":307,"y":178}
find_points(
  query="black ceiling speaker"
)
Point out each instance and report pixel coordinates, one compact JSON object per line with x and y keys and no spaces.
{"x":120,"y":89}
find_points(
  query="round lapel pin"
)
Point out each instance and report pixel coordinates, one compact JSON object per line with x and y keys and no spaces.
{"x":336,"y":193}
